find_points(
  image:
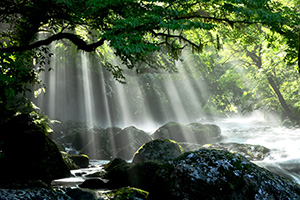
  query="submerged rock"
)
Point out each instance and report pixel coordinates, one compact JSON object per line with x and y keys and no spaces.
{"x":194,"y":133}
{"x":158,"y":150}
{"x":251,"y":152}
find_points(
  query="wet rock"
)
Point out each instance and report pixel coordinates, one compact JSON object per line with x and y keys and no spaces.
{"x":80,"y":160}
{"x":216,"y":174}
{"x":164,"y":150}
{"x":205,"y":174}
{"x":114,"y":163}
{"x":194,"y":133}
{"x":251,"y":152}
{"x":33,"y":194}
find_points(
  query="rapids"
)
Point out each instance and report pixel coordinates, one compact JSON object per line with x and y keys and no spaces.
{"x":284,"y":158}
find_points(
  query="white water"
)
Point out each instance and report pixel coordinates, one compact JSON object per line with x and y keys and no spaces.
{"x":284,"y":158}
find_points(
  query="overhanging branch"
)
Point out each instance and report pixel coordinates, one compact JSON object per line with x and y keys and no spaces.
{"x":80,"y":43}
{"x":176,"y":36}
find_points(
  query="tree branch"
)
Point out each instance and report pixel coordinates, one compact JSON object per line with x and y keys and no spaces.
{"x":176,"y":36}
{"x":231,"y":22}
{"x":80,"y":43}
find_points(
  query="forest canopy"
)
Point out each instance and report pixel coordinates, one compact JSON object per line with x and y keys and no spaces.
{"x":135,"y":30}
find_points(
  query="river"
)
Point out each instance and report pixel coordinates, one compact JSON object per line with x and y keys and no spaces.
{"x":284,"y":158}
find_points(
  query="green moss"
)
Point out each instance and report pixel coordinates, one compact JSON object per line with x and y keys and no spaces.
{"x":128,"y":193}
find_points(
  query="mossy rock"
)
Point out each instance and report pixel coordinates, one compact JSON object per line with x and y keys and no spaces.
{"x":193,"y":132}
{"x":128,"y":193}
{"x":28,"y":153}
{"x":81,"y":160}
{"x":114,"y":163}
{"x":219,"y":174}
{"x":124,"y":193}
{"x":163,"y":150}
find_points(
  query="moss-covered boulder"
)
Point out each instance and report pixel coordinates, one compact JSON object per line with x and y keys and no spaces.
{"x":216,"y":174}
{"x":250,"y":151}
{"x":76,"y":161}
{"x":203,"y":174}
{"x":158,"y":150}
{"x":28,"y":153}
{"x":194,"y":132}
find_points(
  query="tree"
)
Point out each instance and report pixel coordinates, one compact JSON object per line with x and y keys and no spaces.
{"x":134,"y":29}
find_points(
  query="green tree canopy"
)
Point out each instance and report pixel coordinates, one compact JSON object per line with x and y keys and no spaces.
{"x":133,"y":29}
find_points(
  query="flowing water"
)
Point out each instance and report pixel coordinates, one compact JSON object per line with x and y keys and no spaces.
{"x":284,"y":157}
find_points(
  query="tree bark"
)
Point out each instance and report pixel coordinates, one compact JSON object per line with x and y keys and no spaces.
{"x":258,"y":62}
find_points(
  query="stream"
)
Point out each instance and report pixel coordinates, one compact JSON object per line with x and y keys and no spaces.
{"x":284,"y":158}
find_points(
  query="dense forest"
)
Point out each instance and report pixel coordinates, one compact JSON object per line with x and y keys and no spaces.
{"x":236,"y":56}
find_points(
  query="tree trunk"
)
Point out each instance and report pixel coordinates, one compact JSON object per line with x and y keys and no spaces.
{"x":280,"y":98}
{"x":258,"y":62}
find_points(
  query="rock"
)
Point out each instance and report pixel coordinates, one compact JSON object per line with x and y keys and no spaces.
{"x":216,"y":174}
{"x":114,"y":163}
{"x":80,"y":160}
{"x":164,"y":150}
{"x":93,"y":184}
{"x":70,"y":163}
{"x":193,"y":133}
{"x":125,"y":193}
{"x":251,"y":152}
{"x":128,"y":140}
{"x":28,"y":153}
{"x":173,"y":131}
{"x":205,"y":174}
{"x":140,"y":175}
{"x":128,"y":193}
{"x":33,"y":194}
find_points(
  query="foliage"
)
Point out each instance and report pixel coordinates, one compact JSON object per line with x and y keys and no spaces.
{"x":136,"y":32}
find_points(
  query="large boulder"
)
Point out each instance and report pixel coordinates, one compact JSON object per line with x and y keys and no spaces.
{"x":27,"y":153}
{"x":194,"y":132}
{"x":203,"y":174}
{"x":164,"y":150}
{"x":216,"y":174}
